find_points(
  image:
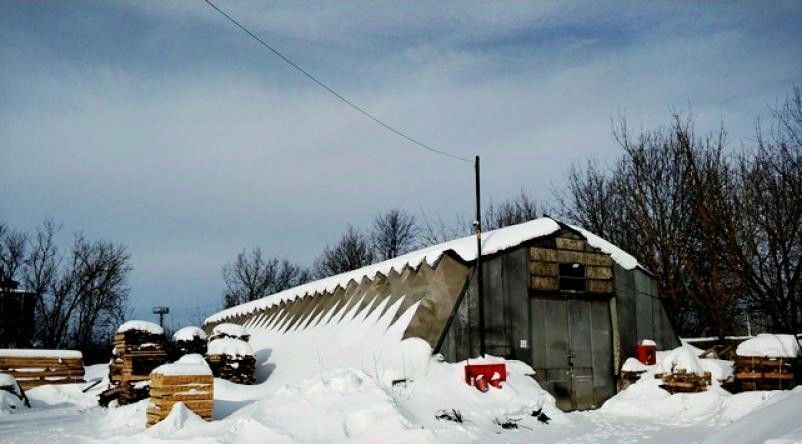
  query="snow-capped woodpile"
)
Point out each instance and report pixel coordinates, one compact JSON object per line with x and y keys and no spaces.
{"x":766,"y":362}
{"x":231,"y":359}
{"x":139,"y":347}
{"x":233,"y":331}
{"x":189,"y":340}
{"x":32,"y":368}
{"x":189,"y":381}
{"x":681,"y":371}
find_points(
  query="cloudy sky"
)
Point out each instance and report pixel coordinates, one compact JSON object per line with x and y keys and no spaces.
{"x":161,"y":126}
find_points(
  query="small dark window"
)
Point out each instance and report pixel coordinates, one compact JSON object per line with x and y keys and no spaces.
{"x":572,"y":277}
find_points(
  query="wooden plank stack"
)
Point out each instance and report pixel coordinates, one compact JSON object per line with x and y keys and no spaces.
{"x":232,"y":359}
{"x":763,"y":373}
{"x":139,"y":347}
{"x":189,"y":340}
{"x":188,"y":381}
{"x":32,"y":368}
{"x":682,"y":381}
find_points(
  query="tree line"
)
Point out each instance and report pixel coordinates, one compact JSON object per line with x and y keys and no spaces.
{"x":82,"y":291}
{"x":719,"y":226}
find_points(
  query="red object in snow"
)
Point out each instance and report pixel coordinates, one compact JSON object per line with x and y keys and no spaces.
{"x":646,"y":353}
{"x":480,"y":375}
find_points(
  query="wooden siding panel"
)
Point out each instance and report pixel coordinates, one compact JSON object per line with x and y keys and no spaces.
{"x":544,"y":268}
{"x":570,"y":244}
{"x":545,"y":283}
{"x":597,"y":272}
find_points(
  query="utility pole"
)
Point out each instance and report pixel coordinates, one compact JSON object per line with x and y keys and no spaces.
{"x":477,"y":225}
{"x":161,"y":311}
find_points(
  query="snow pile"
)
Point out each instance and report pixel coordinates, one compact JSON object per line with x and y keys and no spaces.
{"x":769,"y":346}
{"x":235,"y":331}
{"x":681,"y":358}
{"x":145,"y":326}
{"x":179,"y":418}
{"x":189,"y":333}
{"x":39,"y":353}
{"x":186,"y":365}
{"x":10,"y":403}
{"x":229,"y":347}
{"x":634,"y":365}
{"x":778,"y":421}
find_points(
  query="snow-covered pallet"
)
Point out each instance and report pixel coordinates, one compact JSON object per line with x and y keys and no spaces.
{"x":682,"y":381}
{"x":755,"y":373}
{"x":189,"y":340}
{"x":32,"y":368}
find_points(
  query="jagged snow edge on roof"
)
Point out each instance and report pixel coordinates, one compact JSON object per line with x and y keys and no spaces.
{"x":465,"y":247}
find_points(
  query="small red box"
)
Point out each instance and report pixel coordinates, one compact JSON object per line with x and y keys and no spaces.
{"x":473,"y":371}
{"x":646,"y":353}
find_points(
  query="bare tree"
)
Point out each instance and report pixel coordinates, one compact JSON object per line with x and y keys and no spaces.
{"x":252,"y":276}
{"x":516,"y":210}
{"x":393,"y":233}
{"x":12,"y":253}
{"x":352,"y":251}
{"x":767,"y":243}
{"x":82,"y":295}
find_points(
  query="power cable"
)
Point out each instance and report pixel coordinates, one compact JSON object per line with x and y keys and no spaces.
{"x":335,"y":93}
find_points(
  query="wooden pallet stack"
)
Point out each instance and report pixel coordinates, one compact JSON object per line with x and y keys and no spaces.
{"x":188,"y":381}
{"x":232,"y":359}
{"x":32,"y":368}
{"x":187,"y":341}
{"x":764,"y":373}
{"x":139,"y":347}
{"x":683,"y":381}
{"x":232,"y":331}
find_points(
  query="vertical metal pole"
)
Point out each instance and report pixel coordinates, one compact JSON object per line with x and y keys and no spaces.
{"x":479,"y":272}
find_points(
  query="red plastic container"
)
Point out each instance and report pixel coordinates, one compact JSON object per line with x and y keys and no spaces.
{"x":484,"y":374}
{"x":646,"y":353}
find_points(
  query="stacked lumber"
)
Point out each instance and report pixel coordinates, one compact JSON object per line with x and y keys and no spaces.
{"x":232,"y":331}
{"x":32,"y":368}
{"x":188,"y":381}
{"x":683,"y":381}
{"x":232,"y":360}
{"x":139,"y":347}
{"x":764,"y":373}
{"x":766,"y":362}
{"x":189,"y":340}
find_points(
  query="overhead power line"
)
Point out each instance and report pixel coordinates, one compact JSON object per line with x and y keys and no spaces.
{"x":335,"y":93}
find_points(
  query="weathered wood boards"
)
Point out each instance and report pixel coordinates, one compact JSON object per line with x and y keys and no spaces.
{"x":136,"y":353}
{"x":195,"y":391}
{"x":757,"y":373}
{"x":32,"y":368}
{"x":589,"y":268}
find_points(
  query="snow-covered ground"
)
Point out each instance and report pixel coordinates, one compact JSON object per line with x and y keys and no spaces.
{"x":347,"y":405}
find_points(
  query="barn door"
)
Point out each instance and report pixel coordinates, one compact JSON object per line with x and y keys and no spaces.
{"x":572,"y":350}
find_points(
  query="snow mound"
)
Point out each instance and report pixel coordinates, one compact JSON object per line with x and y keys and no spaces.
{"x":681,"y":358}
{"x":145,"y":326}
{"x":10,"y":403}
{"x":189,"y":333}
{"x":7,"y":380}
{"x":229,"y":347}
{"x":633,"y":365}
{"x":179,"y":418}
{"x":235,"y":331}
{"x":776,"y":422}
{"x":769,"y":346}
{"x":193,"y":364}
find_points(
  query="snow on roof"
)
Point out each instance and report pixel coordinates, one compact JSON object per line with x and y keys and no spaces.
{"x":36,"y":353}
{"x":769,"y":346}
{"x":229,"y":347}
{"x":189,"y":333}
{"x":145,"y":326}
{"x":492,"y":242}
{"x":193,"y":364}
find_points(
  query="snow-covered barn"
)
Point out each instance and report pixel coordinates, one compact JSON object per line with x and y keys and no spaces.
{"x":568,"y":303}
